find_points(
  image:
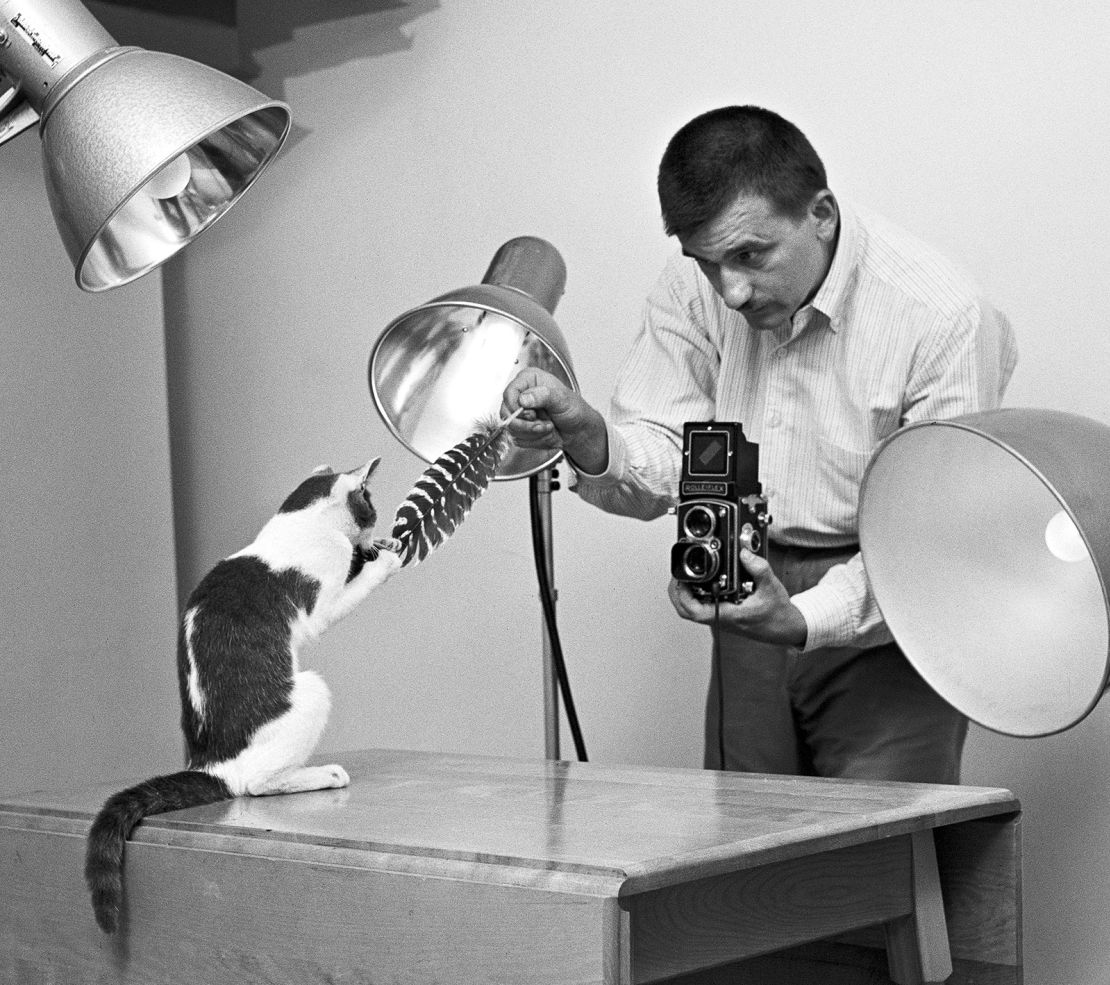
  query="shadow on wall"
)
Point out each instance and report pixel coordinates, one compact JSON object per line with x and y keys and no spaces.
{"x":233,"y":35}
{"x":347,"y":30}
{"x":352,"y":30}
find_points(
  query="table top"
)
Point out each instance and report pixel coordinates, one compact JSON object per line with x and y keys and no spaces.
{"x":547,"y":824}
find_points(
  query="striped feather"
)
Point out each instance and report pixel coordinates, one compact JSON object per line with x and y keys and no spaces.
{"x":444,"y":494}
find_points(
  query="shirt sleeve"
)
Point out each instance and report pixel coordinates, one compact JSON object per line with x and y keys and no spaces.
{"x":963,"y":366}
{"x":669,"y":377}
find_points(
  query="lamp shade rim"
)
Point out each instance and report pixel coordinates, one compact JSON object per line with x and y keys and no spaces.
{"x":203,"y":133}
{"x":461,"y":299}
{"x":554,"y":459}
{"x":483,"y":298}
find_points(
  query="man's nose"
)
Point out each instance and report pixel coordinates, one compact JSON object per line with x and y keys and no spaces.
{"x":736,"y":288}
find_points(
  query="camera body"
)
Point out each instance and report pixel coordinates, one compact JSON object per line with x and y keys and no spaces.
{"x":721,"y":509}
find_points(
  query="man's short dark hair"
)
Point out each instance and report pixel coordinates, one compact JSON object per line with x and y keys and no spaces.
{"x":736,"y":150}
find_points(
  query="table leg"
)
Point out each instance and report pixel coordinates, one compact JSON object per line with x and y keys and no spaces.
{"x":917,"y":945}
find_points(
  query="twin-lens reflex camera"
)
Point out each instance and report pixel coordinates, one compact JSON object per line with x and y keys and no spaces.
{"x":721,"y":509}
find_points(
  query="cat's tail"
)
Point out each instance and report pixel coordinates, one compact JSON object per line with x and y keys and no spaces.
{"x":118,"y":817}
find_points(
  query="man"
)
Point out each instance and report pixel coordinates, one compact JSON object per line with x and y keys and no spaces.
{"x":822,"y":330}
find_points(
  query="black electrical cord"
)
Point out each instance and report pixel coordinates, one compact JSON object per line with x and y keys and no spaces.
{"x":547,"y":597}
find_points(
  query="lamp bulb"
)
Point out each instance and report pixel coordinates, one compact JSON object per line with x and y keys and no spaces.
{"x":1063,"y":538}
{"x":170,"y":180}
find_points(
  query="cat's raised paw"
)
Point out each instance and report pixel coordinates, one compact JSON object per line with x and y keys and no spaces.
{"x":391,"y":544}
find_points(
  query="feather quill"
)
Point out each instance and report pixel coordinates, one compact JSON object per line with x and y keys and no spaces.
{"x":449,"y":487}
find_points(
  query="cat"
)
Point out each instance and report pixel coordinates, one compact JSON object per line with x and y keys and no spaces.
{"x":251,"y":717}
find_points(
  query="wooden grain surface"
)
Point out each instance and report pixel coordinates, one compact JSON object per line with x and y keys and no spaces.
{"x":195,"y":917}
{"x":648,"y":827}
{"x":707,"y":922}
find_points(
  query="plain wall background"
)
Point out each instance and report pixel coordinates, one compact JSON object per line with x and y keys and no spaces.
{"x":87,"y":586}
{"x":427,"y":135}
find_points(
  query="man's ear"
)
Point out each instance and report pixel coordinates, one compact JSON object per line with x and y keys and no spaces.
{"x":825,"y":213}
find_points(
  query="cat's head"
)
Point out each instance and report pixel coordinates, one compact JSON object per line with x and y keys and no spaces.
{"x":343,"y":496}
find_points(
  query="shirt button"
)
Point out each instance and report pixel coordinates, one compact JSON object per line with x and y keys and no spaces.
{"x":774,"y":421}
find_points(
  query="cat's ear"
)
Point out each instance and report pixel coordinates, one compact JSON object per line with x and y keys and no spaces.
{"x":368,"y":470}
{"x":323,"y":470}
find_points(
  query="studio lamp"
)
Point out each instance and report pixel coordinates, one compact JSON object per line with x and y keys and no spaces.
{"x":441,"y":367}
{"x":141,"y":150}
{"x":986,"y":540}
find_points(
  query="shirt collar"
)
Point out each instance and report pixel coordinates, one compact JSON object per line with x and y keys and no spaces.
{"x":831,"y":295}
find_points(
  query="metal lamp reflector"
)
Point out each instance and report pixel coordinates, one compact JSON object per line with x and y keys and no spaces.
{"x":141,"y":150}
{"x":986,"y":541}
{"x":441,"y":367}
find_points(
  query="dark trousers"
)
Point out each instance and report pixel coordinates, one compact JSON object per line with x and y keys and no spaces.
{"x":843,"y":712}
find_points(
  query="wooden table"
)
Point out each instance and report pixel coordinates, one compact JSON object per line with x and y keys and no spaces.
{"x":437,"y":868}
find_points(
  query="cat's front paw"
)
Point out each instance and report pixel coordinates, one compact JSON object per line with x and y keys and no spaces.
{"x":338,"y":775}
{"x":391,"y":544}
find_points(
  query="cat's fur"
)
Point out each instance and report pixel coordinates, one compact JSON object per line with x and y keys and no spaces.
{"x":250,"y":715}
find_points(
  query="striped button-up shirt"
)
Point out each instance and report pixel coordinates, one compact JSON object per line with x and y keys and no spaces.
{"x":895,"y":334}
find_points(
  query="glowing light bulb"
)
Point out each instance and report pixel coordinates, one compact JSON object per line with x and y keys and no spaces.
{"x":171,"y":180}
{"x":1063,"y":538}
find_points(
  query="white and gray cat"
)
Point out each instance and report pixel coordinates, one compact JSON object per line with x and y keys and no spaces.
{"x":250,"y":715}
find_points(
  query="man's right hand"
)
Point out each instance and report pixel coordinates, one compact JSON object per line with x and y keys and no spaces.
{"x":555,"y":416}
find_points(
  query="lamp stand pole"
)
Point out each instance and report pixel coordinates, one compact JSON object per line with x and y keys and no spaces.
{"x":545,"y":484}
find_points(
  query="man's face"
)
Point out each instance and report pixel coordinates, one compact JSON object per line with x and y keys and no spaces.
{"x":764,"y":264}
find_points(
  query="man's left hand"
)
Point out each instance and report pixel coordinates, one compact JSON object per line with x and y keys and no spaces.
{"x":766,"y":615}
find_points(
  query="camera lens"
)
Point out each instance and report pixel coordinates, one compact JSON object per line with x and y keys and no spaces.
{"x":699,"y":521}
{"x":699,"y":562}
